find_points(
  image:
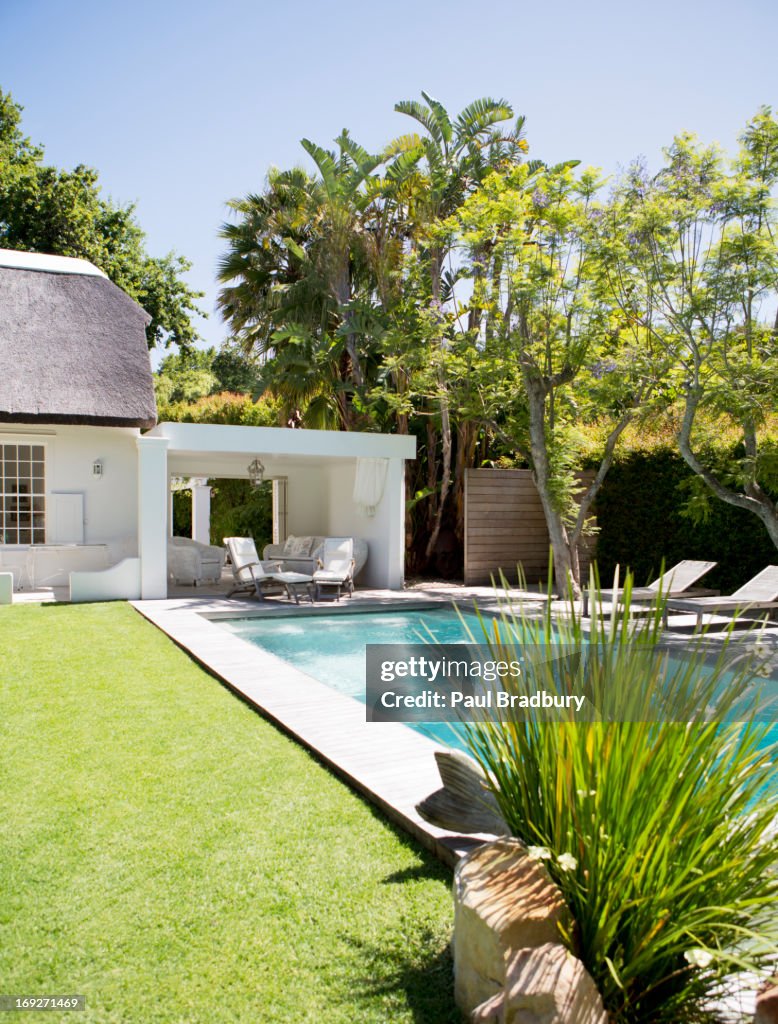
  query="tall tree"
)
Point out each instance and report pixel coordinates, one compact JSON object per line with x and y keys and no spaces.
{"x":455,"y":155}
{"x":50,"y":210}
{"x":693,"y":257}
{"x":555,"y":348}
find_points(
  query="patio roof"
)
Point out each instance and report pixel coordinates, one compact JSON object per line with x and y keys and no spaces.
{"x":217,"y":449}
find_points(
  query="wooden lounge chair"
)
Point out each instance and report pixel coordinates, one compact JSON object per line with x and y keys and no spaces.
{"x":251,"y":575}
{"x":674,"y":581}
{"x":336,"y":566}
{"x":760,"y":593}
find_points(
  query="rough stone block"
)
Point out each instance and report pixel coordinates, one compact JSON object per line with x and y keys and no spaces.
{"x":545,"y":985}
{"x":504,"y":901}
{"x":767,"y":1004}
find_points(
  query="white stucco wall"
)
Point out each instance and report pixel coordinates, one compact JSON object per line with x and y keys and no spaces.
{"x":383,"y":531}
{"x":308,"y":496}
{"x":110,"y":501}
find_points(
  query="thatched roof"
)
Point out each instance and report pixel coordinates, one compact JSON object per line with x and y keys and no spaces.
{"x":72,"y":346}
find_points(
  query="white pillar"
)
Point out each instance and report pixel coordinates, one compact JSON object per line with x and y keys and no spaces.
{"x":201,"y":512}
{"x":394,"y":495}
{"x":153,"y":488}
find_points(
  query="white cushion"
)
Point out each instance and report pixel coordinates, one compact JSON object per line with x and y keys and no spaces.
{"x":297,"y":547}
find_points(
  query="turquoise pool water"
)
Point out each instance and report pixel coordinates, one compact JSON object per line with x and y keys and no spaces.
{"x":331,"y":648}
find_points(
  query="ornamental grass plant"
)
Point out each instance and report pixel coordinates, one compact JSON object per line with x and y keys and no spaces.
{"x":654,"y":809}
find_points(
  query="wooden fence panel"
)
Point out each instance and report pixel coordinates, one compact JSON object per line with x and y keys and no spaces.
{"x":505,"y":527}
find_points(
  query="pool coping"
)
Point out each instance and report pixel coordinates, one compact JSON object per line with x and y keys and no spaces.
{"x":390,"y":764}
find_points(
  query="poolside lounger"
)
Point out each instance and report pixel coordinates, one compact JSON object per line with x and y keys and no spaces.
{"x":249,"y":573}
{"x":759,"y":593}
{"x":674,"y":581}
{"x":336,"y":566}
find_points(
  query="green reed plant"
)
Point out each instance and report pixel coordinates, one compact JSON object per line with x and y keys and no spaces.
{"x":654,"y":808}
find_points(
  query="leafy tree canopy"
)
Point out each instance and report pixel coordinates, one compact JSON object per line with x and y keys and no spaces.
{"x":194,"y":373}
{"x":51,"y":210}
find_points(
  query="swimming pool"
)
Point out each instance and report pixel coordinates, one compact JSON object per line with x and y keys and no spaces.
{"x":331,"y":648}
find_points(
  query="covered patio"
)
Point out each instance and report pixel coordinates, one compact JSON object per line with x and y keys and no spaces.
{"x":313,"y":473}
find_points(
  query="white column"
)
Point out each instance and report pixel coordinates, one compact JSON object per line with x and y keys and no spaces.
{"x":394,"y":496}
{"x":201,"y":512}
{"x":153,"y":488}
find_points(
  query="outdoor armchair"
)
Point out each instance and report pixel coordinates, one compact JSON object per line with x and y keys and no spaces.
{"x":191,"y":563}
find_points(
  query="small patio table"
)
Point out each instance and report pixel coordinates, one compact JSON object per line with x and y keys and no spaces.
{"x":294,"y":582}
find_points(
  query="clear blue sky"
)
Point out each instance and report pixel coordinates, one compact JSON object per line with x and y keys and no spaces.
{"x":181,"y":105}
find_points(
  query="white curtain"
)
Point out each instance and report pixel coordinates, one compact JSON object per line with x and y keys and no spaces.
{"x":369,"y":484}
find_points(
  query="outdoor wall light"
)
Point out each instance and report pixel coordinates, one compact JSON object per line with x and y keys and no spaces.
{"x":256,"y":473}
{"x":97,"y":468}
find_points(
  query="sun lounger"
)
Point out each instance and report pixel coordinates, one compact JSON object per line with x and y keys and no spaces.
{"x":251,"y":575}
{"x":674,"y":581}
{"x":336,"y":566}
{"x":760,"y":593}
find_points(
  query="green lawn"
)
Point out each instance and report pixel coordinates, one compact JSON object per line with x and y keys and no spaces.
{"x":172,"y":856}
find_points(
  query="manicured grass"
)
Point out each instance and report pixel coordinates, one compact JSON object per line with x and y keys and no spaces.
{"x":172,"y":856}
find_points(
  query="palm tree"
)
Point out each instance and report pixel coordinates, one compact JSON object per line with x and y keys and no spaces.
{"x":456,"y":154}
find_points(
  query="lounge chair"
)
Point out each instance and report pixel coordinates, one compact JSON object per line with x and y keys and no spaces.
{"x":250,"y":575}
{"x":759,"y":593}
{"x":674,"y":581}
{"x":336,"y":566}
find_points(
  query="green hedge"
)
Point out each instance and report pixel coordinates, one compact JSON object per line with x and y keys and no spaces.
{"x":641,"y":521}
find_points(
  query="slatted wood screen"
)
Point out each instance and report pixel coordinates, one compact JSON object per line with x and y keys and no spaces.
{"x":505,"y":526}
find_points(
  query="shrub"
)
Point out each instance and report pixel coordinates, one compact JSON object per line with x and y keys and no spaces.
{"x":642,"y":519}
{"x":655,"y":816}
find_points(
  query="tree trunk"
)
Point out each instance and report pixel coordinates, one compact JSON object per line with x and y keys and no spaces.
{"x":467,"y":438}
{"x":341,"y":287}
{"x":566,"y":567}
{"x":436,"y":265}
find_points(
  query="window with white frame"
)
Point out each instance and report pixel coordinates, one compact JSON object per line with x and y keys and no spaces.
{"x":22,"y":494}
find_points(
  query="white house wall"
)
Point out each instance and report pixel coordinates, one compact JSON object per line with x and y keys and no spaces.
{"x":308,"y":499}
{"x":384,"y":532}
{"x":110,"y":501}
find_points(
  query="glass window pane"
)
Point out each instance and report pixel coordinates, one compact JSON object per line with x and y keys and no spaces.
{"x":25,"y":536}
{"x":37,"y":469}
{"x":24,"y":451}
{"x":37,"y":452}
{"x":38,"y":536}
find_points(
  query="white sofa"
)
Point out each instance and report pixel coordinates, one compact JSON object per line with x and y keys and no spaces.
{"x":189,"y":562}
{"x":301,"y":554}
